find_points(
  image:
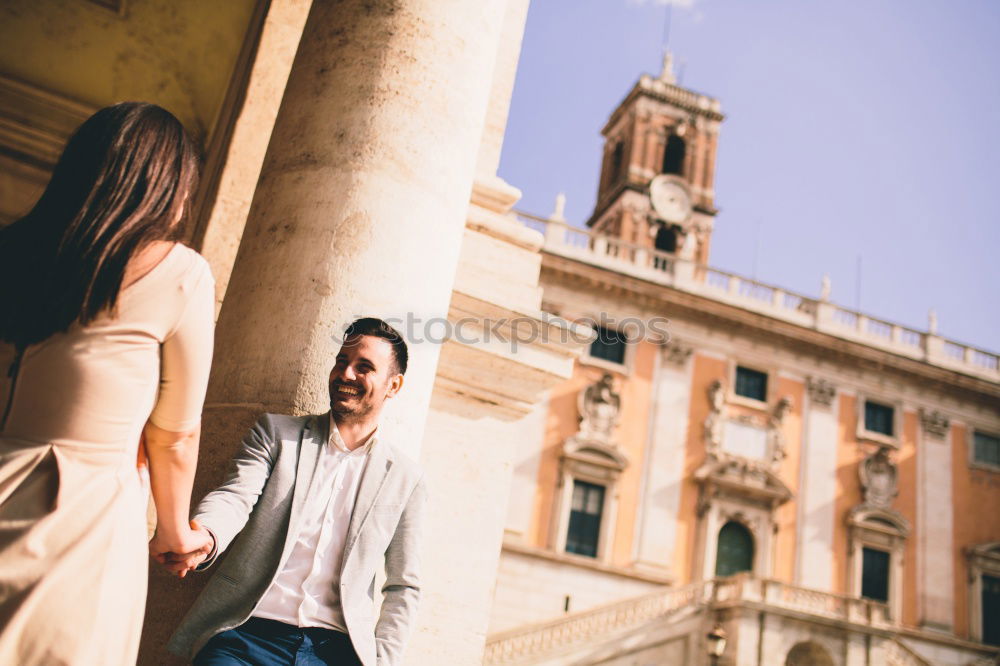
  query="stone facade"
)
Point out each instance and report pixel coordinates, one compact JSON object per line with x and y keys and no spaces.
{"x":837,"y":445}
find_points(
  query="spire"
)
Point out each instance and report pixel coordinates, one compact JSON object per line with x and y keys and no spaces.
{"x":667,"y":73}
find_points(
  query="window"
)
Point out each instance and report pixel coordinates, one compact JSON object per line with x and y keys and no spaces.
{"x":875,"y":574}
{"x":617,"y":156}
{"x":991,"y":609}
{"x":666,"y":240}
{"x":735,"y":550}
{"x":879,"y":418}
{"x":984,"y":592}
{"x":673,"y":155}
{"x":751,"y":384}
{"x":609,"y":345}
{"x":986,"y":448}
{"x":585,"y":518}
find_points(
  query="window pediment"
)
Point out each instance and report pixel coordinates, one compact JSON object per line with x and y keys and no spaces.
{"x":887,"y":521}
{"x":743,"y":479}
{"x":595,"y":453}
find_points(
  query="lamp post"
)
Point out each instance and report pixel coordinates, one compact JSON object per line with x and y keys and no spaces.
{"x":716,"y":642}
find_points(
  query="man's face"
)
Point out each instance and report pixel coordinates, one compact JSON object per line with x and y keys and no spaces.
{"x":363,"y":377}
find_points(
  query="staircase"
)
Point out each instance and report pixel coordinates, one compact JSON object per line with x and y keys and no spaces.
{"x":522,"y":644}
{"x":897,"y":654}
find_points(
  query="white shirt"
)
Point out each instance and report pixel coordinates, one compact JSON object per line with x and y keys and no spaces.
{"x":306,"y":592}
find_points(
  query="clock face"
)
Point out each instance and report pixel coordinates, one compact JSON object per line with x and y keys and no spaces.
{"x":670,"y":198}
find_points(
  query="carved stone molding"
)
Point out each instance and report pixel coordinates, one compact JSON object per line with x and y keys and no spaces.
{"x":879,"y":478}
{"x":600,"y":407}
{"x":677,"y":353}
{"x":934,"y":423}
{"x":821,"y":391}
{"x":776,"y":441}
{"x":35,"y":123}
{"x":713,"y":423}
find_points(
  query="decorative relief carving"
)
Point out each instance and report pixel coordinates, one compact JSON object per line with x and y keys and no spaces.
{"x":713,"y":423}
{"x":776,"y":439}
{"x":879,"y":478}
{"x":934,"y":423}
{"x":821,"y":391}
{"x":677,"y":353}
{"x":600,"y":406}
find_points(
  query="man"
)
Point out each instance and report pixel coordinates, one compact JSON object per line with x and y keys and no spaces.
{"x":309,"y":509}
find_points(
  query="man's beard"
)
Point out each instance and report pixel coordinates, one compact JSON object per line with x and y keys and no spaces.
{"x":351,"y":412}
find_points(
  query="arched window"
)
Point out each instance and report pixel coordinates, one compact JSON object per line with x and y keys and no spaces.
{"x":735,"y":550}
{"x":808,"y":654}
{"x":666,"y":240}
{"x":673,"y":155}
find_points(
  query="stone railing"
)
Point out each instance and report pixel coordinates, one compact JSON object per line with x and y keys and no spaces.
{"x":520,"y":644}
{"x":897,"y":654}
{"x":667,"y":269}
{"x":776,"y":594}
{"x":681,"y":96}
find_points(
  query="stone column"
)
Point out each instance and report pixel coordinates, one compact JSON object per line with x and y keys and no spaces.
{"x":818,"y":484}
{"x":935,"y":558}
{"x":656,"y":531}
{"x":360,"y":210}
{"x":361,"y":203}
{"x":489,"y":378}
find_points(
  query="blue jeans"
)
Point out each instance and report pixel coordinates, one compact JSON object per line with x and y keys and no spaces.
{"x":260,"y":642}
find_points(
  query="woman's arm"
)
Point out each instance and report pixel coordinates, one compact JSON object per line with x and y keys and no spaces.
{"x":171,"y":435}
{"x":173,"y":458}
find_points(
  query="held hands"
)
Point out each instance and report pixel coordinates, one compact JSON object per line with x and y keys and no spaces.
{"x":181,"y":553}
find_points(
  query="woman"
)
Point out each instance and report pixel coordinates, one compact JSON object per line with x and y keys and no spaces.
{"x":112,"y":322}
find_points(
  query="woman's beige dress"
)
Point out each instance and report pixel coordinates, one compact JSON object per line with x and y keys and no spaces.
{"x":73,"y":551}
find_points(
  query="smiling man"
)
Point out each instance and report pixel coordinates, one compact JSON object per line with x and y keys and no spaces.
{"x":311,"y":507}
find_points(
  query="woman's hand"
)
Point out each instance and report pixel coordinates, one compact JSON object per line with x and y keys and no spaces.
{"x":181,"y":553}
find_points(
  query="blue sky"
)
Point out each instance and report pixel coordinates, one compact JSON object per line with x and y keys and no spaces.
{"x":854,"y":129}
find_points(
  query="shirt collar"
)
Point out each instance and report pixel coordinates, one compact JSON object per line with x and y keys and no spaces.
{"x":336,"y":442}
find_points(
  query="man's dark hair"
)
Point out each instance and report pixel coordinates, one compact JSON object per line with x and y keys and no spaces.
{"x":379,"y":329}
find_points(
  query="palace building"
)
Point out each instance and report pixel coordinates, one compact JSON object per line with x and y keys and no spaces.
{"x":811,"y":483}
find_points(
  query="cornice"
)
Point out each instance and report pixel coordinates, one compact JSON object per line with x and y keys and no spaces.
{"x":733,"y":319}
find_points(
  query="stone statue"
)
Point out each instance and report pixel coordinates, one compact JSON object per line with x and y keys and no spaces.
{"x":599,"y":406}
{"x":713,"y":424}
{"x":932,"y":321}
{"x":559,"y":214}
{"x":667,"y":72}
{"x":825,"y":287}
{"x":776,"y":444}
{"x":879,"y":478}
{"x":689,"y":245}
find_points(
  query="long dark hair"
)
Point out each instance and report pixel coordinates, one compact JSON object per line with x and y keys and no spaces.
{"x":120,"y":184}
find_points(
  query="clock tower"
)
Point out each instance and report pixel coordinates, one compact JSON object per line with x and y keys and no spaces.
{"x":658,"y":168}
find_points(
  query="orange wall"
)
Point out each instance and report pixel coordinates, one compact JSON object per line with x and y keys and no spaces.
{"x":786,"y":516}
{"x":563,"y":421}
{"x":705,"y":371}
{"x":633,"y":432}
{"x":975,"y":498}
{"x":849,"y":454}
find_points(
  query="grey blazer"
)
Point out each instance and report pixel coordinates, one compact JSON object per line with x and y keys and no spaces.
{"x":255,"y":514}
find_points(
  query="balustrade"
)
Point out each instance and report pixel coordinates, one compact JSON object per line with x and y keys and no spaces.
{"x":666,"y":268}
